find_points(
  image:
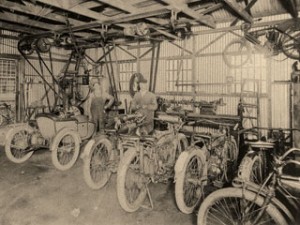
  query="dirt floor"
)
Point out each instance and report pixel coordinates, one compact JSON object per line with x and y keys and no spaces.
{"x":35,"y":193}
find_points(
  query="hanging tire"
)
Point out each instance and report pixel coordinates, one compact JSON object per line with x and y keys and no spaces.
{"x":290,"y":42}
{"x":131,"y":185}
{"x":96,"y":169}
{"x":65,"y":149}
{"x":17,"y":144}
{"x":236,"y":206}
{"x":237,"y":48}
{"x":188,"y":188}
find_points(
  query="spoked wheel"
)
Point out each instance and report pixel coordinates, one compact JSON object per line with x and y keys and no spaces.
{"x":65,"y":149}
{"x":237,"y":53}
{"x":232,"y":156}
{"x":2,"y":120}
{"x":189,"y":174}
{"x":26,"y":46}
{"x":131,"y":184}
{"x":252,"y":169}
{"x":182,"y":145}
{"x":233,"y":206}
{"x":96,"y":169}
{"x":291,"y":43}
{"x":18,"y":143}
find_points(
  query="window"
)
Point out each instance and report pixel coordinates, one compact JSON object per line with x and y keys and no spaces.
{"x":126,"y":70}
{"x":179,"y":75}
{"x":8,"y":71}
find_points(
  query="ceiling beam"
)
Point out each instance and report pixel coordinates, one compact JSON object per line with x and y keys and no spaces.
{"x":140,"y":14}
{"x":31,"y":9}
{"x":239,"y":10}
{"x":167,"y":34}
{"x":77,"y":8}
{"x":39,"y":11}
{"x":18,"y":28}
{"x":118,"y":4}
{"x":11,"y":17}
{"x":121,"y":5}
{"x":181,"y":6}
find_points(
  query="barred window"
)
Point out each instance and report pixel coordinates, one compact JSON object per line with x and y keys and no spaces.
{"x":8,"y":71}
{"x":179,"y":75}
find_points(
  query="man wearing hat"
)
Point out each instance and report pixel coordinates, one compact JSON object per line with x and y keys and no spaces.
{"x":145,"y":103}
{"x":99,"y":100}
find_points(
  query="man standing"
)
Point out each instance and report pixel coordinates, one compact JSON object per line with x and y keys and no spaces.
{"x":100,"y":100}
{"x":145,"y":103}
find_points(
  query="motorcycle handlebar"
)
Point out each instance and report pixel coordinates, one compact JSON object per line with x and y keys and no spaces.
{"x":289,"y":152}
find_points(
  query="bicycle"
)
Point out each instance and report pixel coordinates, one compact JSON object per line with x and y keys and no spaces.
{"x":281,"y":38}
{"x":7,"y":114}
{"x":249,"y":203}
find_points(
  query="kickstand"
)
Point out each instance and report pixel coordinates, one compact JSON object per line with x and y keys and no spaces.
{"x":150,"y":200}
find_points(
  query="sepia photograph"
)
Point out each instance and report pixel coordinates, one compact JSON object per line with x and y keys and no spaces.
{"x":149,"y":112}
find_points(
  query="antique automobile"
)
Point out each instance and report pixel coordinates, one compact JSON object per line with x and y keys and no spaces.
{"x":148,"y":159}
{"x":210,"y":160}
{"x":102,"y":153}
{"x":62,"y":135}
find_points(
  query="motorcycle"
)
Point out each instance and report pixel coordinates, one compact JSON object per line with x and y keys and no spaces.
{"x":210,"y":159}
{"x":148,"y":159}
{"x":102,"y":153}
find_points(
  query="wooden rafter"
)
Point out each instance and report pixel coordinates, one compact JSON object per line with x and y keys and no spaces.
{"x":181,"y":6}
{"x":31,"y":9}
{"x":239,"y":10}
{"x":18,"y":28}
{"x":11,"y":17}
{"x":74,"y":8}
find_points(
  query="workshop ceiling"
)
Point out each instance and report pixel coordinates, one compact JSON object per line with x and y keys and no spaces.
{"x":132,"y":19}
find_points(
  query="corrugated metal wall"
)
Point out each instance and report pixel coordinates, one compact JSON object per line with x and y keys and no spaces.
{"x":214,"y":79}
{"x":211,"y":77}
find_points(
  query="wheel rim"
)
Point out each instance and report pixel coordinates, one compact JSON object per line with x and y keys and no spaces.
{"x":236,"y":54}
{"x":99,"y":163}
{"x":19,"y":144}
{"x":1,"y":120}
{"x":134,"y":183}
{"x":291,"y":47}
{"x":191,"y":188}
{"x":235,"y":210}
{"x":256,"y":175}
{"x":180,"y":147}
{"x":66,"y":149}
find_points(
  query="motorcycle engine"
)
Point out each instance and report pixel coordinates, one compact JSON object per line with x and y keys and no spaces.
{"x":216,"y":161}
{"x":161,"y":157}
